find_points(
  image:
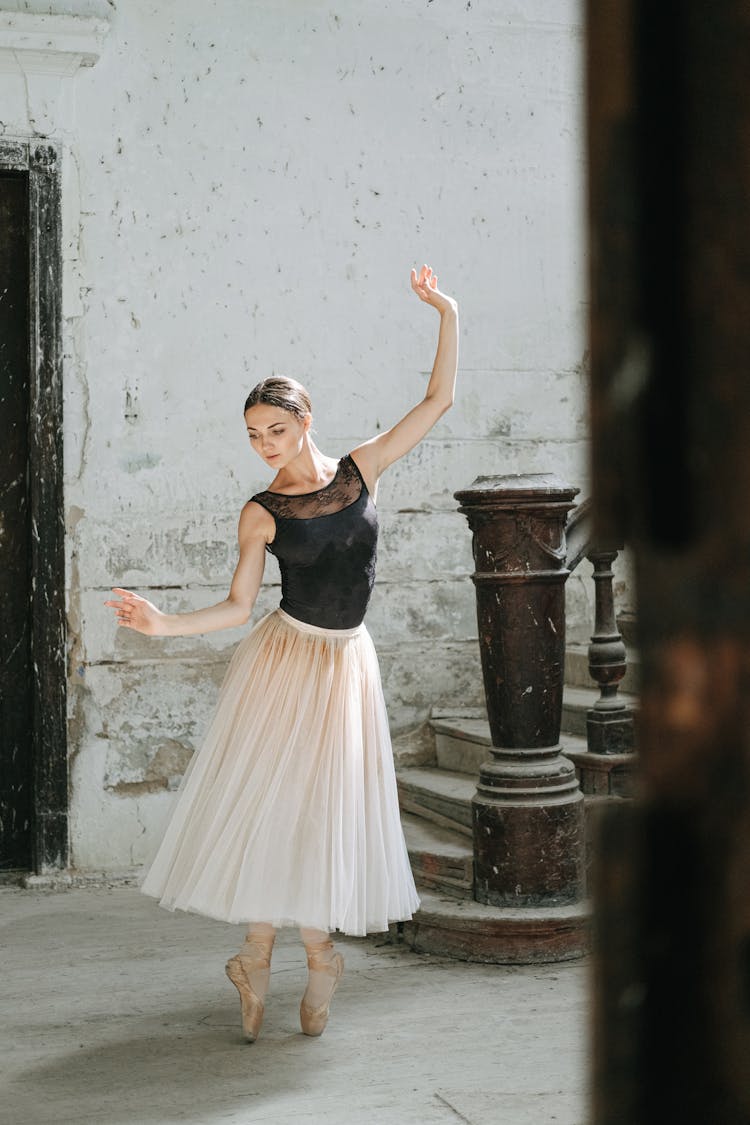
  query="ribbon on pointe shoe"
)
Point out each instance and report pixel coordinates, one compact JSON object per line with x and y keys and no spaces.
{"x":249,"y":971}
{"x":325,"y":969}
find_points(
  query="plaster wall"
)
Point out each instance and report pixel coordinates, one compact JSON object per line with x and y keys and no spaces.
{"x":247,"y":185}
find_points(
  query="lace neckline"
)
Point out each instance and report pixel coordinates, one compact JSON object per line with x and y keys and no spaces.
{"x":315,"y":491}
{"x":343,"y":490}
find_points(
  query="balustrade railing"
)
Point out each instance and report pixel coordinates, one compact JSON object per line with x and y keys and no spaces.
{"x":607,"y":765}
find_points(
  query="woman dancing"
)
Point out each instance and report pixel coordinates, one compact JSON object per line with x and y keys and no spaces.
{"x":288,"y":814}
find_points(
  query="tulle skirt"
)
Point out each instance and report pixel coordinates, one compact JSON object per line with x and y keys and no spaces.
{"x":288,"y":813}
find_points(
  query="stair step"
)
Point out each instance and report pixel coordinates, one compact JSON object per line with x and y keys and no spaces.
{"x":441,"y":858}
{"x":577,"y":668}
{"x":442,"y":796}
{"x":470,"y":726}
{"x":576,"y":703}
{"x":471,"y":931}
{"x":462,"y":742}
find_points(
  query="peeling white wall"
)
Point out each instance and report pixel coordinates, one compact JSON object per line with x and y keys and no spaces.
{"x":247,"y":185}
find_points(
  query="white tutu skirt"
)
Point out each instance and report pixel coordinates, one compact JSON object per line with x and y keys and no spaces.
{"x":289,"y":813}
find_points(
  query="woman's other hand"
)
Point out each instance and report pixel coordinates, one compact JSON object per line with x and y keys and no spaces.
{"x":135,"y":612}
{"x":424,"y":285}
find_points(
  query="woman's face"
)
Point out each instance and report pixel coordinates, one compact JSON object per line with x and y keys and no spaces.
{"x":276,"y":435}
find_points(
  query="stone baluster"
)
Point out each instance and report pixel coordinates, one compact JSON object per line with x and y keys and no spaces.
{"x":609,"y":723}
{"x":528,"y":809}
{"x":607,"y":767}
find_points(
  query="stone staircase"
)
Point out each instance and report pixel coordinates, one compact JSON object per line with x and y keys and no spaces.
{"x":435,"y":800}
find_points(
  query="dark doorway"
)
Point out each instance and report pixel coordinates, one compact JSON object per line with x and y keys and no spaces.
{"x":15,"y":533}
{"x":33,"y":745}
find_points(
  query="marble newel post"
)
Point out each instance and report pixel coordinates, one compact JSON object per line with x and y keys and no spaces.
{"x":528,"y":809}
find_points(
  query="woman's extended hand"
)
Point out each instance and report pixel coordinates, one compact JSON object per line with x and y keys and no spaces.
{"x":135,"y":612}
{"x":424,"y":285}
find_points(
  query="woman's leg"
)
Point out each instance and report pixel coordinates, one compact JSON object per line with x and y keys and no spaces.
{"x":325,"y":967}
{"x":250,"y":972}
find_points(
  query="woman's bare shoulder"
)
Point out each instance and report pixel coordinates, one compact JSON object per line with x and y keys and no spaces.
{"x":365,"y":458}
{"x":255,"y":520}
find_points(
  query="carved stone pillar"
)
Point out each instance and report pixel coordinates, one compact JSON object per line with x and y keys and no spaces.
{"x":528,"y":808}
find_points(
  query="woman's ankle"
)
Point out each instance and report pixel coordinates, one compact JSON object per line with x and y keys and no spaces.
{"x":259,"y":941}
{"x":318,"y":945}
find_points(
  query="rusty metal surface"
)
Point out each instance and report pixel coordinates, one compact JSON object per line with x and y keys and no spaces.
{"x":669,"y":137}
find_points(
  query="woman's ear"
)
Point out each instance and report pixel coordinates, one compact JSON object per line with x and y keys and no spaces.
{"x":307,"y":420}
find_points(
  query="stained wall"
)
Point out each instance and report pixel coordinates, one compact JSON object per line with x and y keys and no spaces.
{"x":247,"y":185}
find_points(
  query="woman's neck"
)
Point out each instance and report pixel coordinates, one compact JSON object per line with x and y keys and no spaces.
{"x":309,"y":470}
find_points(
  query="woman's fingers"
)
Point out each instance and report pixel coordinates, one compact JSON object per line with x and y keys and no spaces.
{"x":425,"y":283}
{"x":127,"y":609}
{"x":125,"y":598}
{"x":134,"y":612}
{"x":423,"y":276}
{"x":130,"y":619}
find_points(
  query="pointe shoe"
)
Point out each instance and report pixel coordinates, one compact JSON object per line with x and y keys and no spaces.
{"x":314,"y":1020}
{"x":238,"y":969}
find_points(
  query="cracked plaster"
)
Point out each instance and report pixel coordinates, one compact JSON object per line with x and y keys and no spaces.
{"x":198,"y":258}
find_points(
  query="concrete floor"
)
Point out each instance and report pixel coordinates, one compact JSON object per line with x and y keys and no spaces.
{"x":116,"y":1010}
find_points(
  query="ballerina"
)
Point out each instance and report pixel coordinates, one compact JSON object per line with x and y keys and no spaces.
{"x":288,"y":813}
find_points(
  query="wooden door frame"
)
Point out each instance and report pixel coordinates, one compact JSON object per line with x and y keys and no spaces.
{"x":41,"y":161}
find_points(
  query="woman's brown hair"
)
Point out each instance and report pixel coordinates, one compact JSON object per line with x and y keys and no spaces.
{"x":278,"y":390}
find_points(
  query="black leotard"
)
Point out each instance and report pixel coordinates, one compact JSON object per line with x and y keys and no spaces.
{"x":326,"y":544}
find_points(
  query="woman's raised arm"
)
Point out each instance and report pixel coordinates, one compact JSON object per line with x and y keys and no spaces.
{"x":135,"y":612}
{"x":375,"y":455}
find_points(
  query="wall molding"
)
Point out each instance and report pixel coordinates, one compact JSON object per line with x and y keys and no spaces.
{"x":50,"y":44}
{"x":45,"y":50}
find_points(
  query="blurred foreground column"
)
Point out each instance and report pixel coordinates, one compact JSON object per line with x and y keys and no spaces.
{"x":669,"y":205}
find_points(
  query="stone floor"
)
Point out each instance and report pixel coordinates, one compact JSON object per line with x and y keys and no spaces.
{"x":116,"y":1010}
